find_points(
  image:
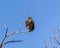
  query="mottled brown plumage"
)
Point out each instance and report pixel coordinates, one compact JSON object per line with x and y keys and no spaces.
{"x":30,"y":24}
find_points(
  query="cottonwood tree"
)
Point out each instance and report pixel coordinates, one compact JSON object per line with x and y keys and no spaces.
{"x":29,"y":25}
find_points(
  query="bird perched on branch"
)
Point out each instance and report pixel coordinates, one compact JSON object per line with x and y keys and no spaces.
{"x":30,"y":24}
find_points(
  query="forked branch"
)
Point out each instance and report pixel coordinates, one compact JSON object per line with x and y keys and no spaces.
{"x":10,"y":34}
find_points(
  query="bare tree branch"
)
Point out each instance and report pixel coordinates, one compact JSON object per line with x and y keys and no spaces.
{"x":44,"y":45}
{"x":5,"y":35}
{"x":10,"y":34}
{"x":16,"y":32}
{"x":11,"y":42}
{"x":57,"y":41}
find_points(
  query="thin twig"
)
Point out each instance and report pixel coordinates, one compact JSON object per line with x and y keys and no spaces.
{"x":44,"y":45}
{"x":57,"y":41}
{"x":11,"y":42}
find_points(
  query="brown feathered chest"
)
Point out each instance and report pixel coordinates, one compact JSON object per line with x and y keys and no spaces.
{"x":30,"y":24}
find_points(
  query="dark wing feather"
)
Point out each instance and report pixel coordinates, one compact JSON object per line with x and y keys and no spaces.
{"x":31,"y":26}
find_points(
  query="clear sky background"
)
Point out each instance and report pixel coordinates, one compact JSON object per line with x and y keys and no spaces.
{"x":45,"y":13}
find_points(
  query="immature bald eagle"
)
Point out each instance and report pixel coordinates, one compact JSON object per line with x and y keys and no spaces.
{"x":30,"y":24}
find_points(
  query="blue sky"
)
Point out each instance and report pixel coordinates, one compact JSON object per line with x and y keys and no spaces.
{"x":45,"y":13}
